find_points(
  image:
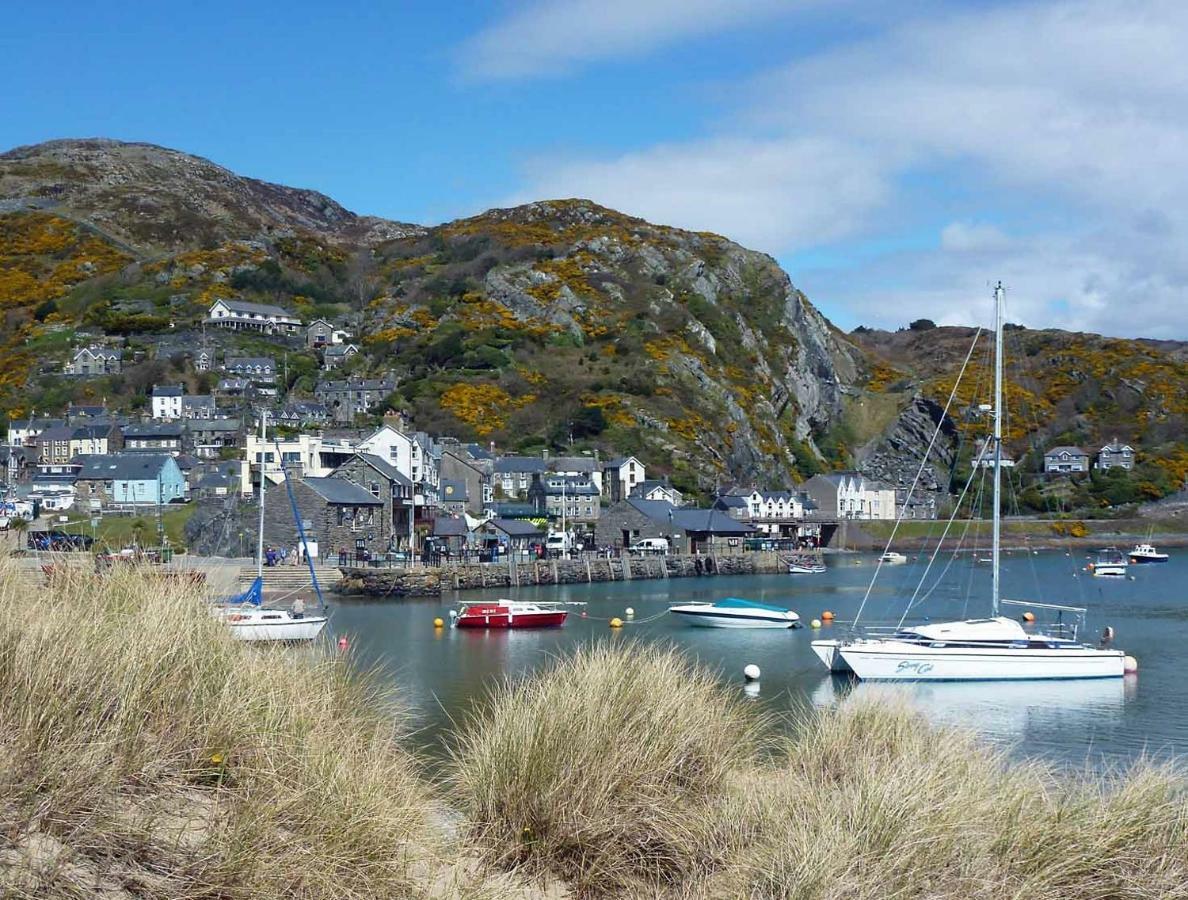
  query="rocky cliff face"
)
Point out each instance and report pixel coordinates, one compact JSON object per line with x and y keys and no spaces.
{"x":895,"y":456}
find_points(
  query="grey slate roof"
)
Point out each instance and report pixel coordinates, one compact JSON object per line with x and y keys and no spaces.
{"x":168,"y":390}
{"x":386,"y":469}
{"x":450,"y":526}
{"x":515,"y":464}
{"x":154,"y":430}
{"x":1072,"y":451}
{"x":262,"y":309}
{"x":656,"y":510}
{"x":453,"y":491}
{"x":710,"y":521}
{"x":341,"y":492}
{"x":516,"y":527}
{"x":122,"y":466}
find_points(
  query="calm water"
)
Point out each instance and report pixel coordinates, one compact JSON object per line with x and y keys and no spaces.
{"x":440,"y":672}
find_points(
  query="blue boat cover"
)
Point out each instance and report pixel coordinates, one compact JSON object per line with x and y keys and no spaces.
{"x":740,"y":603}
{"x":253,"y":595}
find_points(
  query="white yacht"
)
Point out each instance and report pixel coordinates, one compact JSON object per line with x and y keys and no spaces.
{"x":891,"y":558}
{"x":991,"y":649}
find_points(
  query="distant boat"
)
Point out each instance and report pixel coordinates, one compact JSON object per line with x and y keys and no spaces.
{"x":735,"y":612}
{"x":806,"y":566}
{"x":1110,"y":563}
{"x":1146,"y":553}
{"x":508,"y":614}
{"x":891,"y":558}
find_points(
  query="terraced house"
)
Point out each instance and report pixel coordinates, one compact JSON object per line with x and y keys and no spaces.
{"x":95,"y":361}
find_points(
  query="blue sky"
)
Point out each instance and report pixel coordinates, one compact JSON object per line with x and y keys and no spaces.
{"x":895,"y":164}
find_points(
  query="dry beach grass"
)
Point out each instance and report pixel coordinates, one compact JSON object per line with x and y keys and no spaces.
{"x":149,"y":756}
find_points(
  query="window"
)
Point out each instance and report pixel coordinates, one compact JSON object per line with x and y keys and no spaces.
{"x":374,"y":487}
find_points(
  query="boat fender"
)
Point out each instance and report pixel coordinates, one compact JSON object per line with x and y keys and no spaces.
{"x":344,"y":644}
{"x":1129,"y":665}
{"x":1029,"y":616}
{"x":827,"y":616}
{"x":438,"y":622}
{"x":616,"y":622}
{"x":751,"y":672}
{"x":629,"y":612}
{"x":815,"y":623}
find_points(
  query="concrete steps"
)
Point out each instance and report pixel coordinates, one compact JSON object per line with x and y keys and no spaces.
{"x":287,"y":578}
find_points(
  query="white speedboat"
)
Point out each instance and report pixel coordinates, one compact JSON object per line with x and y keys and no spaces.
{"x":735,"y":612}
{"x":1146,"y":553}
{"x":1110,"y":563}
{"x":257,"y":623}
{"x":991,"y":649}
{"x":891,"y":558}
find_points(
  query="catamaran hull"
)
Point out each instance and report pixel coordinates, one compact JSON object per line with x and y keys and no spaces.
{"x":293,"y":630}
{"x":893,"y":661}
{"x":705,"y":618}
{"x":829,"y":653}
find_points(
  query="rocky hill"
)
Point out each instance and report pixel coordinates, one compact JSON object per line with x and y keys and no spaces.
{"x":559,"y":323}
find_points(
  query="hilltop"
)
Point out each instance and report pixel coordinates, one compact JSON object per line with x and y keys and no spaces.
{"x":555,"y":324}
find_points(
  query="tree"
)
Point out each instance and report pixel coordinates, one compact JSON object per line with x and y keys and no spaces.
{"x":922,"y":325}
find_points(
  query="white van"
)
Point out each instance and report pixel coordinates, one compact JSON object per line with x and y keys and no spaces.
{"x":650,"y":545}
{"x":559,"y":542}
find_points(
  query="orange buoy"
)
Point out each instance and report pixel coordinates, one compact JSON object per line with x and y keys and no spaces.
{"x":827,"y":616}
{"x":1028,"y":616}
{"x":343,"y":643}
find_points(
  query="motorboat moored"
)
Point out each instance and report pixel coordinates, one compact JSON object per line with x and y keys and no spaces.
{"x":1146,"y":553}
{"x":1110,"y":563}
{"x":806,"y":565}
{"x":735,"y":612}
{"x":891,"y":558}
{"x":508,"y":614}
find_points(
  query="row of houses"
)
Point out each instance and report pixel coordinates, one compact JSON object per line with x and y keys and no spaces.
{"x":1065,"y":460}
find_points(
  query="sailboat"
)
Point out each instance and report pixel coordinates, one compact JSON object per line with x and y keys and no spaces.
{"x":990,"y":649}
{"x":245,"y":614}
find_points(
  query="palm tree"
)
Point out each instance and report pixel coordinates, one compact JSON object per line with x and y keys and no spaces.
{"x":20,"y":526}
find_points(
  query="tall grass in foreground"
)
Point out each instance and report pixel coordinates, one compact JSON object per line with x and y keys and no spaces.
{"x":609,"y":771}
{"x":148,"y":755}
{"x":630,"y":772}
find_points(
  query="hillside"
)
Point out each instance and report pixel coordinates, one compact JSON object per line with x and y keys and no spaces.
{"x":556,"y":324}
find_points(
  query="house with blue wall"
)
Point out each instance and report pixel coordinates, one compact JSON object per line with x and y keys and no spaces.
{"x":136,"y":479}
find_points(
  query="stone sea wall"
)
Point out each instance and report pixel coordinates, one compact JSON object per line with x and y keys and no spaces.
{"x":421,"y":581}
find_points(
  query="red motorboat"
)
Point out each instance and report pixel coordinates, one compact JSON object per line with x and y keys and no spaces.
{"x":508,"y":614}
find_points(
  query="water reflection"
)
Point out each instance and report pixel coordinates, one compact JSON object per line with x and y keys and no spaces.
{"x":1042,"y":714}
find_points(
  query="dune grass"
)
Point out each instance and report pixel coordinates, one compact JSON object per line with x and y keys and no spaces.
{"x":146,"y":752}
{"x":147,"y":755}
{"x":609,"y":771}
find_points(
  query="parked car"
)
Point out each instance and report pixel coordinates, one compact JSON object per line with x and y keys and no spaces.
{"x":60,"y":541}
{"x":650,"y":545}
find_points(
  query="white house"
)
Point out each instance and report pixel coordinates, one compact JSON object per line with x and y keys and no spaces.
{"x":987,"y":461}
{"x":620,"y":476}
{"x":392,"y":446}
{"x":241,"y":316}
{"x":317,"y":456}
{"x":167,"y":401}
{"x":849,"y":495}
{"x":426,"y":471}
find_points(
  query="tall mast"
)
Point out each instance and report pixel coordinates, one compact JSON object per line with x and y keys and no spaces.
{"x":998,"y":295}
{"x":260,"y":535}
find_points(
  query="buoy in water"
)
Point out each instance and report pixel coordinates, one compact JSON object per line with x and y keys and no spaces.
{"x":1028,"y":616}
{"x":827,"y":616}
{"x":438,"y":622}
{"x":1129,"y":665}
{"x":629,"y":612}
{"x":343,"y":643}
{"x":751,"y":672}
{"x":616,"y":622}
{"x":815,"y":623}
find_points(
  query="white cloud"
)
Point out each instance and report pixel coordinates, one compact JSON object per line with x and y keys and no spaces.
{"x":548,"y":37}
{"x":1066,"y":122}
{"x":769,"y":195}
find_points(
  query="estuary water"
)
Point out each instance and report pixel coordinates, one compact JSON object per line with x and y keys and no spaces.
{"x":440,"y":673}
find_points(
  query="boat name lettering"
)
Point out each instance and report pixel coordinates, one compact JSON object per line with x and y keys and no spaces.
{"x":920,"y":668}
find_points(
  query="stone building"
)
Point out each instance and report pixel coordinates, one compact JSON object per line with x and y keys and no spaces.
{"x":384,"y":481}
{"x":572,"y":497}
{"x":335,"y":513}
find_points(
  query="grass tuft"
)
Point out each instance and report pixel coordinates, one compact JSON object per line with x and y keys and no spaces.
{"x":609,"y":770}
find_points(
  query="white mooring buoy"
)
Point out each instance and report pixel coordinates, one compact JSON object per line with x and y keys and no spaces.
{"x":751,"y":672}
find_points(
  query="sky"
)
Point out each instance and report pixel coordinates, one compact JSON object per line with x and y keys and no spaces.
{"x":896,"y":158}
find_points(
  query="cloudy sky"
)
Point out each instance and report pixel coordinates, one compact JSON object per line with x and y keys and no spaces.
{"x":896,"y":163}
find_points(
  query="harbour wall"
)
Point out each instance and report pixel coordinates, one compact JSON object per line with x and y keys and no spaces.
{"x":428,"y":581}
